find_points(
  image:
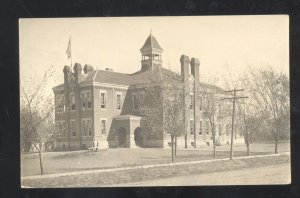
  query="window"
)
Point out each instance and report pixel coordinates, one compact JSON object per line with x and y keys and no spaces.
{"x":207,"y":127}
{"x":73,"y":106}
{"x":135,"y":101}
{"x":73,"y":127}
{"x":86,"y":100}
{"x":220,"y":129}
{"x":200,"y":128}
{"x":192,"y":102}
{"x":60,"y":103}
{"x":83,"y":100}
{"x":200,"y":102}
{"x":119,"y":98}
{"x":103,"y":99}
{"x":191,"y":126}
{"x":89,"y":101}
{"x":86,"y":127}
{"x":227,"y":129}
{"x":103,"y":126}
{"x":61,"y":128}
{"x":142,"y":98}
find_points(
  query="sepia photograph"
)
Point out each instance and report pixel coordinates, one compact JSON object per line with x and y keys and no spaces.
{"x":154,"y":101}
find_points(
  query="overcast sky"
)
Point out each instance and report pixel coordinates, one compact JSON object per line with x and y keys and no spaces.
{"x":222,"y":44}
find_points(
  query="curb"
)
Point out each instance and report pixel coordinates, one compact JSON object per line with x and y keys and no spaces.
{"x":143,"y":166}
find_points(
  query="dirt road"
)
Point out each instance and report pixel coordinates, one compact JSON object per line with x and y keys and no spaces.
{"x":274,"y":174}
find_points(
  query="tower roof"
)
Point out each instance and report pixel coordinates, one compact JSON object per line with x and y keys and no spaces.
{"x":151,"y":45}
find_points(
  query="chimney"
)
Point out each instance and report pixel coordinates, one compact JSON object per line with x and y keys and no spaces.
{"x":195,"y":68}
{"x":185,"y":63}
{"x":67,"y":71}
{"x":88,"y":68}
{"x":77,"y":71}
{"x":109,"y":69}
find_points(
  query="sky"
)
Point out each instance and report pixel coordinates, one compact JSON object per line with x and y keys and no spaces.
{"x":223,"y":44}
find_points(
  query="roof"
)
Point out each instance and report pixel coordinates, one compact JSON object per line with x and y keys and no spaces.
{"x":103,"y":76}
{"x":151,"y":43}
{"x":137,"y":78}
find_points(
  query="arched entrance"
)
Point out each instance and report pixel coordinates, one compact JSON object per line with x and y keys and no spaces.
{"x":138,"y":136}
{"x":122,"y":137}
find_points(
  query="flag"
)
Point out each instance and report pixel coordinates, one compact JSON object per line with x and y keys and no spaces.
{"x":68,"y":52}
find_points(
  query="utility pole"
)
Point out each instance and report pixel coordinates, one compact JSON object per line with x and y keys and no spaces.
{"x":234,"y":98}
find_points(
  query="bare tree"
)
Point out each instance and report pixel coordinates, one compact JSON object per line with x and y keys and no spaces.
{"x":37,"y":123}
{"x":210,"y":107}
{"x":271,"y":93}
{"x":249,"y":118}
{"x":163,"y":109}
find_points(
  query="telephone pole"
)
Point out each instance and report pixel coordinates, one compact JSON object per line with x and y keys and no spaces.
{"x":234,"y":98}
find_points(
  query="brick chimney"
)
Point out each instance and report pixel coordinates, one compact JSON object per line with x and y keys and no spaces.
{"x":67,"y":72}
{"x":185,"y":64}
{"x":88,"y":68}
{"x":195,"y":72}
{"x":195,"y":68}
{"x":77,"y":72}
{"x":67,"y":76}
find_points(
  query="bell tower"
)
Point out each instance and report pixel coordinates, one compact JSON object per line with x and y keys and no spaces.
{"x":151,"y":54}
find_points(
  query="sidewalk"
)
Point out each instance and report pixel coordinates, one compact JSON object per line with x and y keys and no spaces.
{"x":142,"y":166}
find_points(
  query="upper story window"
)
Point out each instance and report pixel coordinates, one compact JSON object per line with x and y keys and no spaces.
{"x":60,"y":103}
{"x":207,"y":127}
{"x":73,"y":127}
{"x":103,"y":126}
{"x":86,"y":127}
{"x":103,"y":96}
{"x":119,"y":100}
{"x":142,"y":99}
{"x":191,"y":126}
{"x":200,"y":128}
{"x":73,"y":106}
{"x":191,"y":101}
{"x":86,"y":100}
{"x":135,"y":101}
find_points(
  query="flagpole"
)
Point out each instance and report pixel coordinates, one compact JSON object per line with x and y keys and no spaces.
{"x":71,"y":51}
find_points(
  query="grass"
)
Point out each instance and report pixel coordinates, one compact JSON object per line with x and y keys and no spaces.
{"x":59,"y":162}
{"x":142,"y":174}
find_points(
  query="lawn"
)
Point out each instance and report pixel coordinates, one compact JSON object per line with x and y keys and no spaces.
{"x":144,"y":174}
{"x":59,"y":162}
